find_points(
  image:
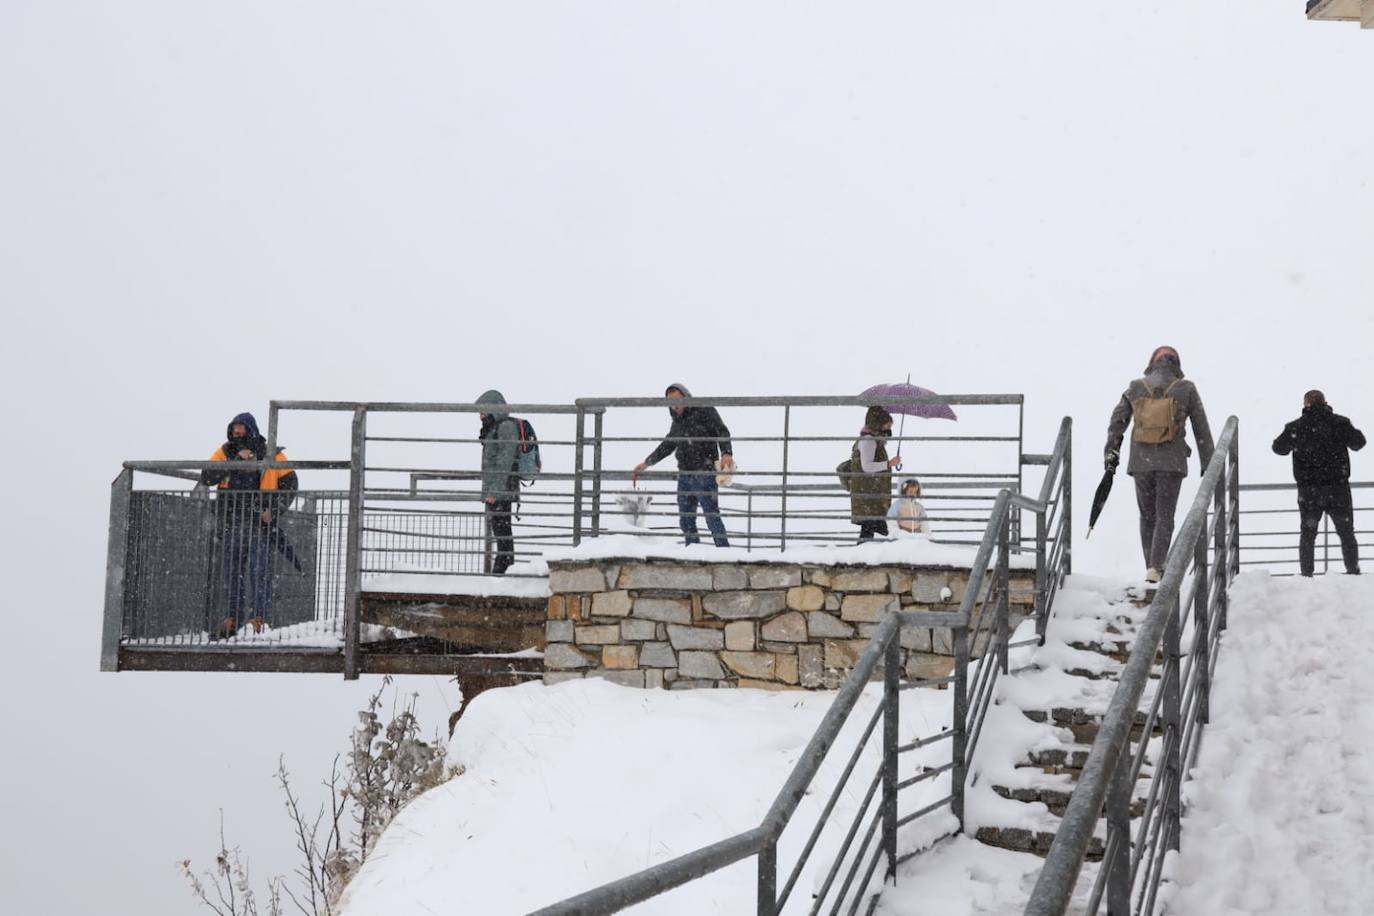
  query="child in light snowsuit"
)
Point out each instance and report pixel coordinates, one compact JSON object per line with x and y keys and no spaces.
{"x":907,"y":510}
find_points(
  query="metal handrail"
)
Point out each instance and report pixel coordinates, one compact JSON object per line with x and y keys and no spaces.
{"x":1106,"y":775}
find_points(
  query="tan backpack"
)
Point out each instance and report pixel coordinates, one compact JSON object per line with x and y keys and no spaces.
{"x":1154,"y":416}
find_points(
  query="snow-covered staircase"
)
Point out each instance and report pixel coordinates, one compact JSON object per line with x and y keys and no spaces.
{"x":1064,"y":688}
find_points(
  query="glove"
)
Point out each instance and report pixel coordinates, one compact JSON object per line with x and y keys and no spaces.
{"x":1113,"y":459}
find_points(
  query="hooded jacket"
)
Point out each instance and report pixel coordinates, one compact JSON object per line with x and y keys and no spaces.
{"x":500,"y":438}
{"x":1320,"y":441}
{"x":698,"y":437}
{"x":276,"y":480}
{"x":1165,"y":457}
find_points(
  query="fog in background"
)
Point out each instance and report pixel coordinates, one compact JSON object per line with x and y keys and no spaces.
{"x":206,"y":206}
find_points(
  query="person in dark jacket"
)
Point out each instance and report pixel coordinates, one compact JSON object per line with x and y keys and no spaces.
{"x":500,"y":437}
{"x":870,"y":487}
{"x":249,"y":505}
{"x":697,"y":436}
{"x":1320,"y":442}
{"x":1159,"y":404}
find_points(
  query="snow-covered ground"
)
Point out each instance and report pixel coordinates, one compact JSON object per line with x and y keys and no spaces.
{"x":1280,"y":812}
{"x":567,"y":787}
{"x":914,"y":549}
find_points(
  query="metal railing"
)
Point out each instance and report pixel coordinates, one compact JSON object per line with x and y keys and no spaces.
{"x":1184,"y":623}
{"x":404,"y":505}
{"x":870,"y":836}
{"x":785,"y":489}
{"x":1270,"y":531}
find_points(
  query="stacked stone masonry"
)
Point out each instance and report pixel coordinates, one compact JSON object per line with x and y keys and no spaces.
{"x":666,"y":623}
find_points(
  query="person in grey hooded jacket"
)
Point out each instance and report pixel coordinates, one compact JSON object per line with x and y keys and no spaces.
{"x":1159,"y":467}
{"x":500,"y":438}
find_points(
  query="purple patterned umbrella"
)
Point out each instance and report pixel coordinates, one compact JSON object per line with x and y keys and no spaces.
{"x":882,"y":394}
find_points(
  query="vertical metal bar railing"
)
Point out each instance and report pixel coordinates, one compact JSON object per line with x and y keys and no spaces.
{"x":786,"y":435}
{"x":116,"y":564}
{"x":357,"y":470}
{"x":1326,"y":543}
{"x":961,"y":751}
{"x":578,"y":472}
{"x":1042,"y":591}
{"x":1117,"y":861}
{"x":1066,"y":511}
{"x":1003,"y":585}
{"x":598,"y":438}
{"x":1172,"y":720}
{"x":891,"y":696}
{"x":1200,"y":650}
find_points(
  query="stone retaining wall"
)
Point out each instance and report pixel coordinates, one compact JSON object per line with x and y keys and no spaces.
{"x":666,"y":623}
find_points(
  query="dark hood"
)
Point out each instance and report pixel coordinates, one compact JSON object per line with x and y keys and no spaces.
{"x":682,"y":390}
{"x":248,"y":420}
{"x":494,"y":398}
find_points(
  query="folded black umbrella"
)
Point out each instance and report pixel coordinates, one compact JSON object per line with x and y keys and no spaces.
{"x":1104,"y":489}
{"x":277,"y":538}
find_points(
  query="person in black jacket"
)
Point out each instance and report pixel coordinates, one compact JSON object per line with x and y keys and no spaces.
{"x":697,"y":436}
{"x":1320,"y":442}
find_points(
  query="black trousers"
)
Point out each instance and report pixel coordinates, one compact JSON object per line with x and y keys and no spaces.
{"x":1333,"y":500}
{"x":871,"y":527}
{"x":499,"y":527}
{"x":1157,"y":496}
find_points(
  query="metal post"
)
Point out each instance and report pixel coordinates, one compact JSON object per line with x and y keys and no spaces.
{"x":116,"y":562}
{"x":596,"y":471}
{"x":1171,"y":719}
{"x":749,"y":522}
{"x":1118,"y":866}
{"x":768,"y":879}
{"x":786,"y":430}
{"x":1221,"y":546}
{"x":1201,"y":642}
{"x":353,"y":570}
{"x":1326,"y":544}
{"x":891,"y":693}
{"x":488,"y":547}
{"x":1003,"y":593}
{"x":1042,"y":617}
{"x":577,"y":475}
{"x":960,"y":739}
{"x":272,"y":431}
{"x":1066,"y":507}
{"x":1233,"y":533}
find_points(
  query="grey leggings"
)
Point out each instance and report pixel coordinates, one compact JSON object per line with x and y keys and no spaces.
{"x":1157,"y":496}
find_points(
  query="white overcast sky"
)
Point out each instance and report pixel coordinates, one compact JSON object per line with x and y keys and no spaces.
{"x":204,"y":206}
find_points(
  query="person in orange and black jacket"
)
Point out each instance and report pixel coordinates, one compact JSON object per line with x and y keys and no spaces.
{"x":249,"y":503}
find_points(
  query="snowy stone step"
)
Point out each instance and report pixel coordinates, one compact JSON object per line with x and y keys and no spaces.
{"x":1037,"y":842}
{"x":1085,"y":725}
{"x":1056,"y":798}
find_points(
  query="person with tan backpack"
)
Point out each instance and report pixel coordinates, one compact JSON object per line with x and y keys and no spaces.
{"x":1157,"y":407}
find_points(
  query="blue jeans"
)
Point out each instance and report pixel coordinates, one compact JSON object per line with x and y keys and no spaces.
{"x":247,"y":552}
{"x":699,"y":488}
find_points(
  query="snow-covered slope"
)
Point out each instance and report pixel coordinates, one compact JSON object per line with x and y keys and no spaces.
{"x":1280,"y":816}
{"x":571,"y":786}
{"x":568,"y":787}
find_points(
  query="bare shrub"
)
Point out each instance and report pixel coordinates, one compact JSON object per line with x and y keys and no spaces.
{"x":386,"y":766}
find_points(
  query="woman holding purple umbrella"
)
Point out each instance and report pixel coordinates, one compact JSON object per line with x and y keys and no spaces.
{"x":870,"y":487}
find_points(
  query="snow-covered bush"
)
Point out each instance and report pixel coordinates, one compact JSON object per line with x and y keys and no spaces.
{"x":387,"y":765}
